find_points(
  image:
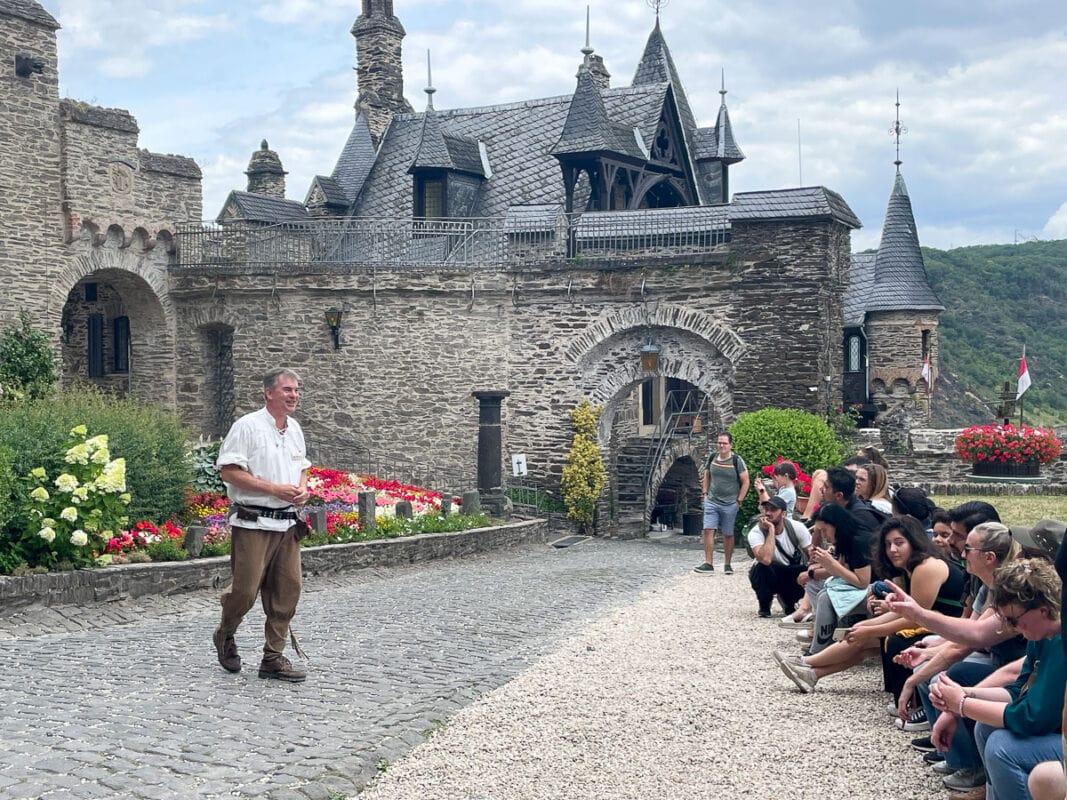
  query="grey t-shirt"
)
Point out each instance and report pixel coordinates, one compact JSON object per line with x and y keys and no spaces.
{"x":724,"y":481}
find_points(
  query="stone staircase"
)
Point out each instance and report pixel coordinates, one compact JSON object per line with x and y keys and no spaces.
{"x":631,"y":476}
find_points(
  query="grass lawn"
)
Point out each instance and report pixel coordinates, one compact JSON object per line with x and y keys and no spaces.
{"x":1014,"y":509}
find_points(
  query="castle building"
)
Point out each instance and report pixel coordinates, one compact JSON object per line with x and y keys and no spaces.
{"x":561,"y":248}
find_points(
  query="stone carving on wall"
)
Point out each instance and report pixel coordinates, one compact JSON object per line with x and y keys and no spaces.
{"x":121,"y":177}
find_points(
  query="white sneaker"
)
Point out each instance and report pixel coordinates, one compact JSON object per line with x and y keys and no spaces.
{"x":781,"y":656}
{"x":800,"y":674}
{"x":788,"y":621}
{"x":805,"y":636}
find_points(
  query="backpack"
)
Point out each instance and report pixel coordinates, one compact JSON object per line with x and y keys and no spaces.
{"x":733,"y":458}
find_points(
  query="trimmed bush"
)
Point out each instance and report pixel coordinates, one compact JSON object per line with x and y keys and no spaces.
{"x":583,"y":476}
{"x":760,"y":437}
{"x":27,"y":363}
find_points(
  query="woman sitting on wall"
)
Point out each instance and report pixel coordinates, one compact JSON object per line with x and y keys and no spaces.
{"x":1017,"y":724}
{"x":906,"y":556}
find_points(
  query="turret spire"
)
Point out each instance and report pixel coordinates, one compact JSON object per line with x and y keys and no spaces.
{"x":897,"y":131}
{"x":429,"y":84}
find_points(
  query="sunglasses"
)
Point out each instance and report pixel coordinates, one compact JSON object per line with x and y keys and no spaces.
{"x":1013,"y":621}
{"x":968,"y":549}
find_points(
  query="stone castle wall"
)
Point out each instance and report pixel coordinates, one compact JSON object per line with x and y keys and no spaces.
{"x":416,"y":344}
{"x":30,"y":195}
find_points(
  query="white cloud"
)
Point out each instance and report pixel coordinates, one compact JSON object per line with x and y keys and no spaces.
{"x":1056,"y":227}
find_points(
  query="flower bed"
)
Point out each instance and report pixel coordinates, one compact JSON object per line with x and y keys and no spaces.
{"x":1007,"y":444}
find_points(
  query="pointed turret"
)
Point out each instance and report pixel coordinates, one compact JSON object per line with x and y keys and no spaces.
{"x":657,"y":66}
{"x":587,"y":129}
{"x":726,"y":147}
{"x":900,"y":280}
{"x":380,"y":76}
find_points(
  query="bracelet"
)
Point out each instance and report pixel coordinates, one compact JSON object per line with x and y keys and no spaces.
{"x":963,"y":699}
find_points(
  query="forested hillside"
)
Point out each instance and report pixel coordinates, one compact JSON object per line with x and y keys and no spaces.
{"x":998,"y":297}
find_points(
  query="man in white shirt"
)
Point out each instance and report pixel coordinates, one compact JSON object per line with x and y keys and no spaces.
{"x":779,"y":553}
{"x":263,"y":461}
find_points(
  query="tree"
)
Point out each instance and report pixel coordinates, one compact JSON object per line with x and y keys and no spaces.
{"x":27,"y":363}
{"x":583,"y":472}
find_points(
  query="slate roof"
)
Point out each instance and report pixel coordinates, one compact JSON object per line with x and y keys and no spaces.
{"x":518,"y":138}
{"x":263,"y":208}
{"x":652,"y":222}
{"x":861,"y":280}
{"x":29,"y":10}
{"x":783,"y":204}
{"x":537,"y":218}
{"x":331,"y":190}
{"x":900,"y":280}
{"x":588,"y":129}
{"x":356,"y":159}
{"x":657,"y":66}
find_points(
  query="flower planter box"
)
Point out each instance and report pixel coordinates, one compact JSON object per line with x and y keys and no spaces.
{"x":1006,"y":469}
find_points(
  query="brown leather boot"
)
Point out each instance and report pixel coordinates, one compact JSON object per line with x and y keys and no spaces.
{"x":226,"y":648}
{"x":282,"y":669}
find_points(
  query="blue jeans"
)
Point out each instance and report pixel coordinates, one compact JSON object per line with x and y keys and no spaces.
{"x":963,"y":753}
{"x":720,"y":517}
{"x":1008,"y":758}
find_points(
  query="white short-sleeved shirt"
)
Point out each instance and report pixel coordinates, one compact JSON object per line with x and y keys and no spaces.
{"x":756,"y":539}
{"x":255,"y":444}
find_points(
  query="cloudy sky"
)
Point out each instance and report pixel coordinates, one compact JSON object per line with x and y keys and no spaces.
{"x":811,"y":88}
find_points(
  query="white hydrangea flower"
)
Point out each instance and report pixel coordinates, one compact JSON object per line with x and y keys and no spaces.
{"x":113,"y":478}
{"x":100,"y":456}
{"x":81,"y":493}
{"x":48,"y":522}
{"x":48,"y":534}
{"x":97,"y":443}
{"x":70,"y":514}
{"x":79,"y":538}
{"x":78,"y":430}
{"x":79,"y":454}
{"x":39,"y":473}
{"x":66,"y":483}
{"x":40,"y":494}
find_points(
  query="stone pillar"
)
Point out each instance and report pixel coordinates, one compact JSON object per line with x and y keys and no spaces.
{"x":471,"y":504}
{"x":404,"y":510}
{"x":367,"y":505}
{"x":317,"y":520}
{"x":194,"y":540}
{"x":490,"y":483}
{"x":446,"y":505}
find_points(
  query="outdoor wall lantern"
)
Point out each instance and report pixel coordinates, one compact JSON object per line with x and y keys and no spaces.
{"x":333,"y":319}
{"x":649,"y":354}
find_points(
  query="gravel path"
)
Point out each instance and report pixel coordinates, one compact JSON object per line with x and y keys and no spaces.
{"x":674,"y":695}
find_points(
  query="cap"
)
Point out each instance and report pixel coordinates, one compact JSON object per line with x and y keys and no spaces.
{"x":1043,"y":538}
{"x":912,"y":500}
{"x":775,"y":501}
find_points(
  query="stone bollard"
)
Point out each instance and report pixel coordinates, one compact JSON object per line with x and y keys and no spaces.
{"x":472,"y":503}
{"x":403,"y":510}
{"x":317,"y":520}
{"x":366,"y":511}
{"x":446,"y":505}
{"x":194,"y":540}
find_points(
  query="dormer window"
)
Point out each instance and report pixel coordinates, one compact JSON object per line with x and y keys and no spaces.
{"x":431,"y":194}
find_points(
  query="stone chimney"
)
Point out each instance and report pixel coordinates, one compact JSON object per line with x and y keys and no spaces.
{"x":379,"y":71}
{"x":265,"y":173}
{"x":601,"y":76}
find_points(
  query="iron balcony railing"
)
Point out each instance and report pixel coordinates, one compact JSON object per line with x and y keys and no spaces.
{"x":526,"y":235}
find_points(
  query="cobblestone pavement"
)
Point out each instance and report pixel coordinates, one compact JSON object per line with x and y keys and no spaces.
{"x":128,"y":701}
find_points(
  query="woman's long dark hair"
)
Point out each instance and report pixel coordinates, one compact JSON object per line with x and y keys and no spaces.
{"x":921,"y":546}
{"x":844,"y":525}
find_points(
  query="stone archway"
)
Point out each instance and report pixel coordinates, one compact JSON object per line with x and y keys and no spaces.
{"x":695,"y":349}
{"x":117,"y":322}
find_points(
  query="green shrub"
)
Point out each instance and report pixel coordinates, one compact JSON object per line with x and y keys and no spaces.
{"x":760,"y":437}
{"x":213,"y":549}
{"x":150,"y":439}
{"x":583,"y":476}
{"x":166,"y":549}
{"x":27,"y":363}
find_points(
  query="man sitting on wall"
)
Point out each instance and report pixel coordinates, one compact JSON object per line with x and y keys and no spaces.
{"x":779,"y":547}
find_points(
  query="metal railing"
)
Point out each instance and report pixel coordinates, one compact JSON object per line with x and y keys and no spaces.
{"x":685,"y":413}
{"x":537,"y":235}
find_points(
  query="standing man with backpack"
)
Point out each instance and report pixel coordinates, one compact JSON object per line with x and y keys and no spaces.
{"x":725,"y":484}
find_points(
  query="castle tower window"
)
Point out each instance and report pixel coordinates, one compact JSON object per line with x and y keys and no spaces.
{"x":122,"y":344}
{"x":95,"y":354}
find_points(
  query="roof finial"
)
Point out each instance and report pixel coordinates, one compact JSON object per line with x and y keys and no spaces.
{"x":722,"y":90}
{"x":656,"y":5}
{"x":897,"y":131}
{"x":587,"y":50}
{"x":429,"y":84}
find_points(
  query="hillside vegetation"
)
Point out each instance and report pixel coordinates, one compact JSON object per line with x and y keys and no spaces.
{"x":998,"y":297}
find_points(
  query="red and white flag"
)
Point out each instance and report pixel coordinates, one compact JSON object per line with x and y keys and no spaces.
{"x":928,"y":374}
{"x":1024,"y":376}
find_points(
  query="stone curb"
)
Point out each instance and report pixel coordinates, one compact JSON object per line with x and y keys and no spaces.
{"x":126,"y":581}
